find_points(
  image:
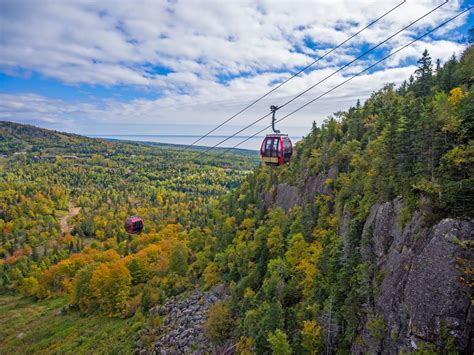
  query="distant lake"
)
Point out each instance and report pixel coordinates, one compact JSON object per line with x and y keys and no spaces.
{"x":253,"y":143}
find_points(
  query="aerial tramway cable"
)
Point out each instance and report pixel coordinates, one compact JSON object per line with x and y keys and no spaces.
{"x":294,"y":75}
{"x":327,"y":77}
{"x":349,"y":79}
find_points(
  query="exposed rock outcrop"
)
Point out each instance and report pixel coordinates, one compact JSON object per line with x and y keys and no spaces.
{"x":287,"y":196}
{"x":181,"y":330}
{"x":424,"y":296}
{"x":317,"y":184}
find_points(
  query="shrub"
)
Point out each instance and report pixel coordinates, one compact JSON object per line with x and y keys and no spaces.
{"x":218,"y":325}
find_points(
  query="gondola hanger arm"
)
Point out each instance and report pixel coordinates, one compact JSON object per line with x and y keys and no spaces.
{"x":274,"y":109}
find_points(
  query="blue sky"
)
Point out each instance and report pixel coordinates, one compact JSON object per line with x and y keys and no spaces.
{"x":181,"y":67}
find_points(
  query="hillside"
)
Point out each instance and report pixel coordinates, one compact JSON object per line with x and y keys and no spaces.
{"x":21,"y":138}
{"x":48,"y":327}
{"x":16,"y":137}
{"x":363,"y":243}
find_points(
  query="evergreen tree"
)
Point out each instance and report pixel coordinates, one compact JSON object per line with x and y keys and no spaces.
{"x":424,"y":75}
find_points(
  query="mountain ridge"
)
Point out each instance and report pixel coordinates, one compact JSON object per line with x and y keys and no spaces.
{"x":17,"y":137}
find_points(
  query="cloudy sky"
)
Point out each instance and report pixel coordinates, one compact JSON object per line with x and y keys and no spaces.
{"x":180,"y":67}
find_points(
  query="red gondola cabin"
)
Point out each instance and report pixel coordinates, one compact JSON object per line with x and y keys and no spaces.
{"x":134,"y":225}
{"x":276,"y":149}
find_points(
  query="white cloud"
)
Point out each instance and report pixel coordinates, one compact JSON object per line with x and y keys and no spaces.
{"x":203,"y":108}
{"x":108,"y":43}
{"x":441,"y":49}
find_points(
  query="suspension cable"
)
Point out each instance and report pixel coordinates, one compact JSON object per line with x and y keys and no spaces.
{"x":294,"y":75}
{"x":324,"y":79}
{"x":352,"y":77}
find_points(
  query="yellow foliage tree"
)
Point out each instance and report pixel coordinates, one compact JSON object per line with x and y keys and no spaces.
{"x":246,"y":346}
{"x":456,"y":95}
{"x":211,"y":274}
{"x":303,"y":257}
{"x":311,"y":336}
{"x":111,"y":286}
{"x":279,"y":343}
{"x":29,"y":286}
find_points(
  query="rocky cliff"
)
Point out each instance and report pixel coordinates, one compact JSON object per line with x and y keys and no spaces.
{"x":286,"y":196}
{"x":422,"y":298}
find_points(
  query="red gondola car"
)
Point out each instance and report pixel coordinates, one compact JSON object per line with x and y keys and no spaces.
{"x":134,"y":225}
{"x":276,"y":148}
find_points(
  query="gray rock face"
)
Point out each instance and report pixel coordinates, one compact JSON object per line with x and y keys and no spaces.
{"x":182,"y":331}
{"x":316,"y":184}
{"x":284,"y":196}
{"x":386,"y":231}
{"x":443,"y":297}
{"x":424,"y":295}
{"x":287,"y":196}
{"x":344,"y":224}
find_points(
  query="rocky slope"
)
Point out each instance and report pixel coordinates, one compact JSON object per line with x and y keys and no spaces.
{"x":181,"y":329}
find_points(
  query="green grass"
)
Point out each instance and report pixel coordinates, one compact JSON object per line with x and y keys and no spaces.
{"x":48,"y":331}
